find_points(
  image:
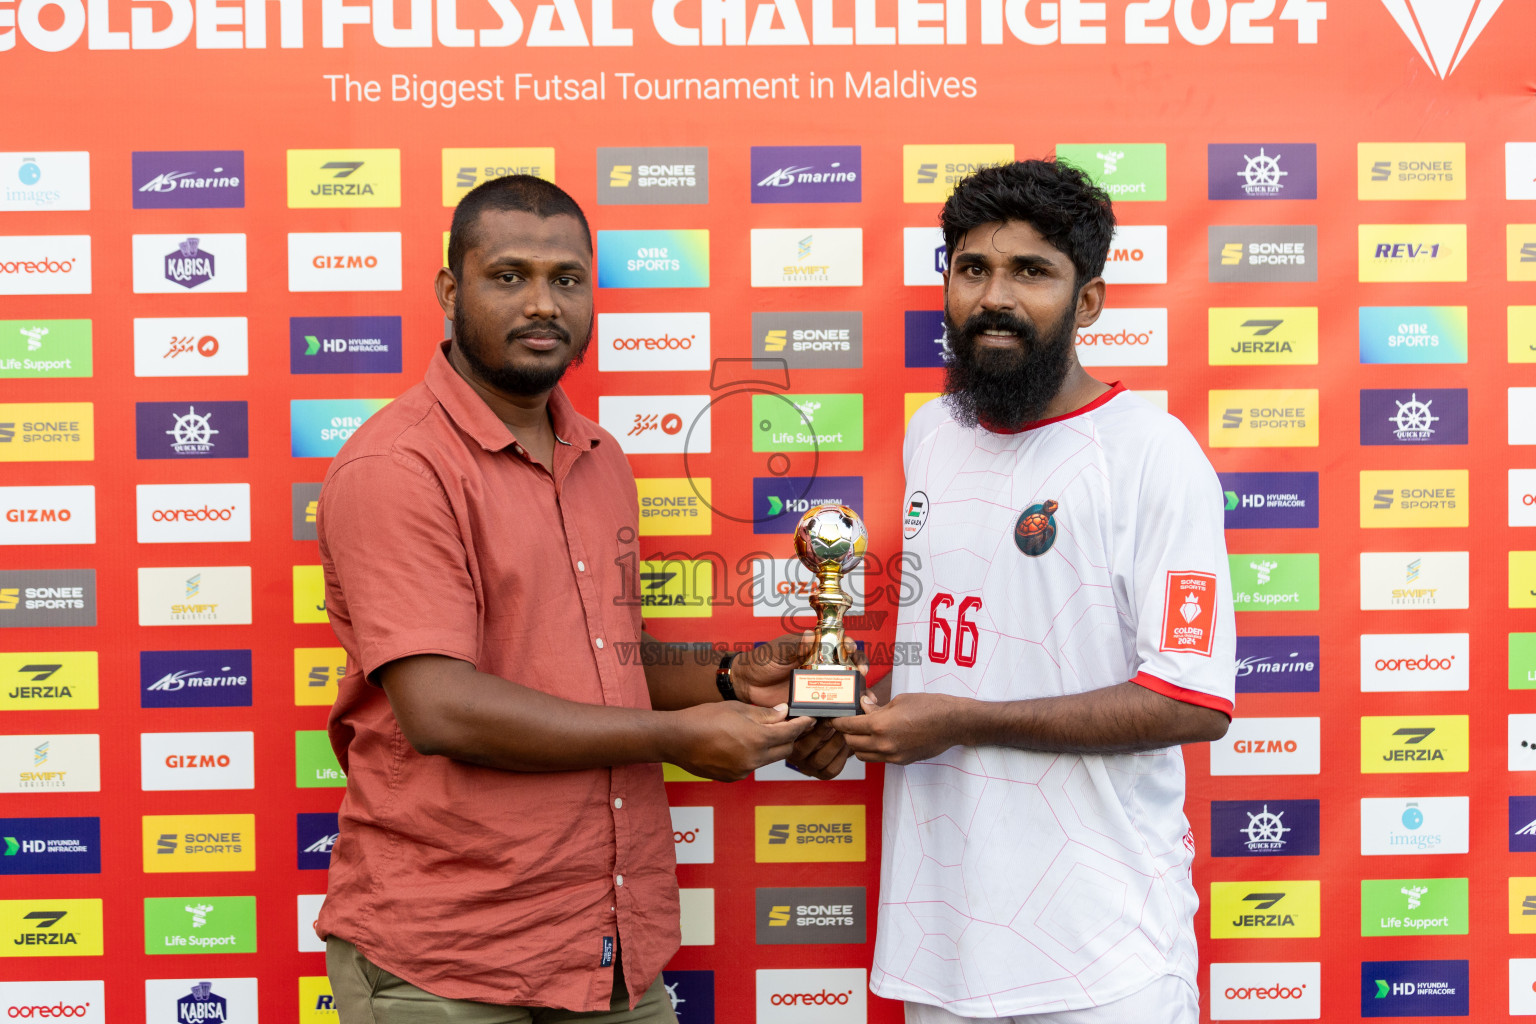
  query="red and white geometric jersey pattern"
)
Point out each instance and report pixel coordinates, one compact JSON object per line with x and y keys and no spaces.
{"x":1075,"y":554}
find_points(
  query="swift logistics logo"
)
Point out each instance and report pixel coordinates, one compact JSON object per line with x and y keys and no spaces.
{"x":652,"y":175}
{"x":1121,"y":337}
{"x":344,"y":261}
{"x":1413,"y":906}
{"x":1266,"y":909}
{"x":819,"y":341}
{"x":45,"y":181}
{"x":1266,"y":252}
{"x":1416,"y":580}
{"x":318,"y":427}
{"x":927,"y":340}
{"x":929,"y":173}
{"x":675,"y":506}
{"x":657,"y":424}
{"x":199,"y":924}
{"x":463,"y":169}
{"x":807,"y":257}
{"x":1411,"y":170}
{"x":653,"y":341}
{"x":45,"y":348}
{"x":1278,"y":664}
{"x":344,"y":344}
{"x":807,"y":174}
{"x":317,"y":674}
{"x":1442,"y":34}
{"x":1128,"y":171}
{"x":1413,"y":825}
{"x":1414,"y":988}
{"x":189,"y":180}
{"x":1414,"y":662}
{"x":50,"y":846}
{"x":809,"y":832}
{"x":191,"y":346}
{"x":45,"y":265}
{"x":50,"y":927}
{"x":343,"y":178}
{"x":1264,"y":828}
{"x":1269,"y":418}
{"x":1413,"y":416}
{"x":811,"y":915}
{"x":1268,"y":746}
{"x":676,"y":588}
{"x":193,"y":513}
{"x":49,"y":681}
{"x":1413,"y":252}
{"x":1422,"y":743}
{"x":50,"y":763}
{"x":179,"y":264}
{"x":197,"y":761}
{"x":1267,"y":991}
{"x":217,"y":595}
{"x":1274,"y":582}
{"x":1266,"y":170}
{"x":47,"y":432}
{"x":653,"y":259}
{"x":48,"y":597}
{"x":779,"y":501}
{"x":1262,"y":336}
{"x":191,"y":430}
{"x":47,"y":515}
{"x":317,"y":835}
{"x":1413,"y":498}
{"x":195,"y":679}
{"x":805,"y":423}
{"x":199,"y":842}
{"x":1413,"y":334}
{"x":1255,"y":501}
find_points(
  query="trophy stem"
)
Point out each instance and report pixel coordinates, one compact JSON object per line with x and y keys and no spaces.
{"x":830,"y":603}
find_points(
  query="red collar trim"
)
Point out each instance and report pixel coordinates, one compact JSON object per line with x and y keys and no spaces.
{"x":1115,"y":388}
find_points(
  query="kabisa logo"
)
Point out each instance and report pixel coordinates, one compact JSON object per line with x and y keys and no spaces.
{"x":930,"y":173}
{"x":652,"y":341}
{"x":50,"y":846}
{"x":344,"y":261}
{"x":672,"y":588}
{"x":1275,"y":582}
{"x":1414,"y":988}
{"x":463,"y":169}
{"x":1262,"y":336}
{"x":657,"y":424}
{"x":1267,"y":909}
{"x":1413,"y":334}
{"x":191,"y":180}
{"x":1138,"y":254}
{"x":47,"y":432}
{"x":201,"y":1005}
{"x":50,"y":928}
{"x":1266,"y":991}
{"x":653,"y":259}
{"x":45,"y":348}
{"x":812,"y":832}
{"x":1268,"y":746}
{"x":346,"y":178}
{"x":1269,"y":170}
{"x":191,"y":346}
{"x":1264,"y":828}
{"x":49,"y":680}
{"x":1125,"y":337}
{"x":675,"y":506}
{"x":1414,"y":662}
{"x":195,"y":679}
{"x":55,"y":762}
{"x":778,"y":502}
{"x":45,"y":181}
{"x":1412,"y":170}
{"x":797,"y":916}
{"x":1413,"y":416}
{"x":344,"y":344}
{"x":1128,"y":171}
{"x":1274,"y":252}
{"x":48,"y":515}
{"x":1278,"y":664}
{"x":802,"y":257}
{"x":1413,"y":825}
{"x":1422,"y":743}
{"x":1413,"y":252}
{"x":1442,"y":34}
{"x":805,"y":423}
{"x":80,"y":1002}
{"x":806,"y":174}
{"x":1275,"y":418}
{"x":822,"y":341}
{"x":200,"y":924}
{"x":191,"y":430}
{"x":45,"y":265}
{"x":927,"y":341}
{"x":693,"y":834}
{"x":193,"y":513}
{"x":320,"y":426}
{"x":48,"y":597}
{"x":189,"y":264}
{"x":826,"y":995}
{"x":1413,"y":906}
{"x":652,"y":175}
{"x":199,"y":842}
{"x":1270,"y":500}
{"x":317,"y":834}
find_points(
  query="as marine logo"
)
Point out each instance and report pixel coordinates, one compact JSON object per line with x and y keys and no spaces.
{"x":1035,"y":531}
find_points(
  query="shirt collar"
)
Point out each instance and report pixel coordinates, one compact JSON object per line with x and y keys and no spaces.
{"x":470,"y":413}
{"x":1115,"y":388}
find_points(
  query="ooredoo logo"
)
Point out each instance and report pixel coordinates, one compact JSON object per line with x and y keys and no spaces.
{"x":1266,"y":991}
{"x":1125,"y":337}
{"x":652,"y":341}
{"x":1407,"y":662}
{"x":45,"y":265}
{"x":835,"y":995}
{"x":193,"y":513}
{"x":77,"y":1001}
{"x":693,"y":834}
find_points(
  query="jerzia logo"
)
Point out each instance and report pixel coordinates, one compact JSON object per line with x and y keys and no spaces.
{"x":1442,"y":33}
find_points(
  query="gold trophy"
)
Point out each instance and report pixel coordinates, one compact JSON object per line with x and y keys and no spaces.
{"x":830,"y":540}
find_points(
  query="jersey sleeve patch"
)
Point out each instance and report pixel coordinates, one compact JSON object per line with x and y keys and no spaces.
{"x":1189,"y":613}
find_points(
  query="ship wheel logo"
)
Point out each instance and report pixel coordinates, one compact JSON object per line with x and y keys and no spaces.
{"x":1413,"y":419}
{"x":1265,"y":830}
{"x":1262,"y":175}
{"x":192,"y":433}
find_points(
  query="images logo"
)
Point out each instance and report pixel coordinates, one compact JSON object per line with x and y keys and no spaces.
{"x":929,"y":173}
{"x":1267,"y":991}
{"x":47,"y":515}
{"x":1124,"y":337}
{"x":1265,"y":910}
{"x":657,"y":424}
{"x":1413,"y":416}
{"x":317,"y":671}
{"x":1138,"y":254}
{"x":45,"y":348}
{"x":1413,"y":988}
{"x":45,"y":181}
{"x":693,"y":834}
{"x":1128,"y":171}
{"x":1268,"y":828}
{"x":50,"y":927}
{"x":1268,"y":170}
{"x":186,"y":346}
{"x":1413,"y":825}
{"x":191,"y":430}
{"x":1412,"y":170}
{"x":193,"y":513}
{"x":652,"y":341}
{"x":195,"y":596}
{"x":806,"y":174}
{"x":196,"y":180}
{"x":50,"y":846}
{"x":653,"y":259}
{"x":1268,"y":336}
{"x":802,"y":257}
{"x":49,"y":681}
{"x":1413,"y":906}
{"x":48,"y":597}
{"x":652,"y":175}
{"x":463,"y":169}
{"x":1275,"y":582}
{"x":1424,"y":743}
{"x":1414,"y":662}
{"x":344,"y":261}
{"x":798,"y":916}
{"x":827,"y":996}
{"x":1413,"y":252}
{"x":1391,"y":580}
{"x":1275,"y":418}
{"x":320,"y":426}
{"x":45,"y":265}
{"x":344,"y":344}
{"x":345,"y":178}
{"x":195,"y":679}
{"x":1275,"y":252}
{"x":778,"y":502}
{"x":199,"y":842}
{"x":1270,"y":500}
{"x":1413,"y":498}
{"x":1413,"y":334}
{"x":1278,"y":664}
{"x":810,"y":832}
{"x":810,"y":340}
{"x":178,"y":264}
{"x":47,"y":432}
{"x":803,"y":423}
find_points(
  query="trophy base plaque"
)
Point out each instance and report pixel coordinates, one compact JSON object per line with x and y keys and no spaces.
{"x":829,"y":691}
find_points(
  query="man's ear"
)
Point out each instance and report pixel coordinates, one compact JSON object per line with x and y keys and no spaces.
{"x":447,"y":287}
{"x":1090,"y":302}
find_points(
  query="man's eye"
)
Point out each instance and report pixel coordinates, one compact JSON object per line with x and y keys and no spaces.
{"x":509,"y":277}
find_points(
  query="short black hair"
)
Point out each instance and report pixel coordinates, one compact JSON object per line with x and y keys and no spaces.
{"x":513,"y":192}
{"x":1059,"y":200}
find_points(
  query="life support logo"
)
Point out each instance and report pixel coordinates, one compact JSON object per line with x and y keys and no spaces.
{"x":827,"y":996}
{"x":693,"y":834}
{"x":812,"y":832}
{"x":1413,"y":906}
{"x":652,"y":341}
{"x":1268,"y":746}
{"x":1128,"y":171}
{"x":1266,"y":991}
{"x":344,"y":261}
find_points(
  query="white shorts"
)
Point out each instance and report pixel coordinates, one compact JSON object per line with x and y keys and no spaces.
{"x":1168,"y":1000}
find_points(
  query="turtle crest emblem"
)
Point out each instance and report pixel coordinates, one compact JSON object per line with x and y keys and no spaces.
{"x":1036,"y":529}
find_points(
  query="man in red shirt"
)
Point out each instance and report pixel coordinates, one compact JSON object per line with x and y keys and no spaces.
{"x":505,"y":850}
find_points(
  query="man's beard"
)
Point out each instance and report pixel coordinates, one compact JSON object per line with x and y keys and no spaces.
{"x":1006,"y":388}
{"x":513,"y":380}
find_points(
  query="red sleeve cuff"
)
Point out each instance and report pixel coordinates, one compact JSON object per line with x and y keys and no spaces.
{"x":1179,"y":693}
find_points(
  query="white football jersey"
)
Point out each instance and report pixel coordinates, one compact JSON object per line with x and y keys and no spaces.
{"x":1078,"y":553}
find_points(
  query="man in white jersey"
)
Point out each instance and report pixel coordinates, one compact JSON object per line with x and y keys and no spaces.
{"x":1075,"y":615}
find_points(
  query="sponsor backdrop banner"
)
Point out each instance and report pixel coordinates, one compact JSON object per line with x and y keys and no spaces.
{"x":219,"y":228}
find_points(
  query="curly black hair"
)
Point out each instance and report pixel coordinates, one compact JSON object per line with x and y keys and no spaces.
{"x":1058,"y":199}
{"x":512,"y":192}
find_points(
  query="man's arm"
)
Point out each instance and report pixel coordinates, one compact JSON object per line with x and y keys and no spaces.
{"x":1117,"y":719}
{"x":446,"y":707}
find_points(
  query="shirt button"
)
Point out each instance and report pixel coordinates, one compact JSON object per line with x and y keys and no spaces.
{"x":618,"y":801}
{"x":581,"y":566}
{"x":599,"y":643}
{"x":618,"y":879}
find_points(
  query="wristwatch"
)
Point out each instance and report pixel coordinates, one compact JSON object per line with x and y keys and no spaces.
{"x":723,"y":678}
